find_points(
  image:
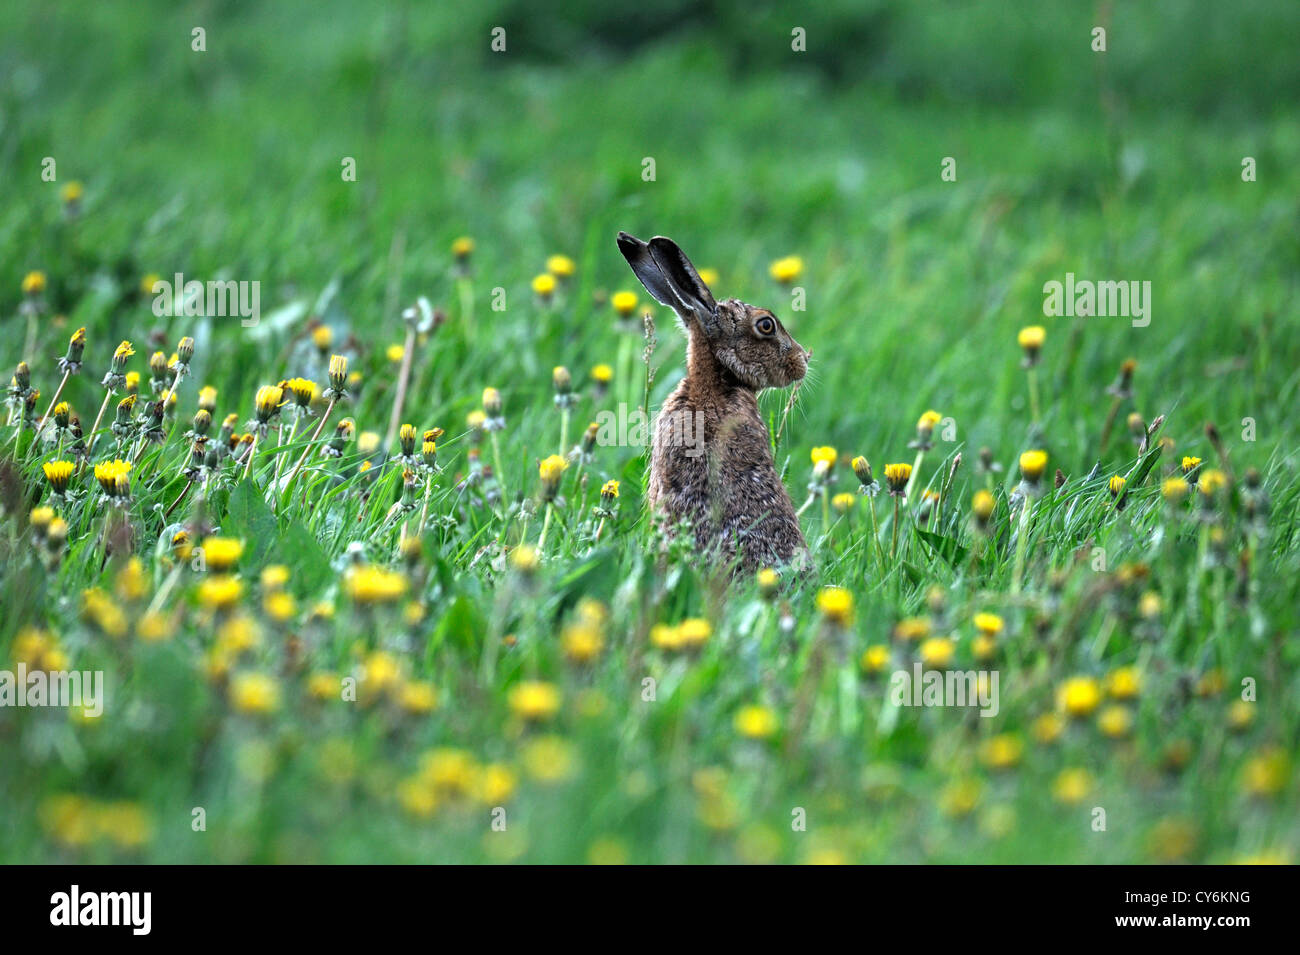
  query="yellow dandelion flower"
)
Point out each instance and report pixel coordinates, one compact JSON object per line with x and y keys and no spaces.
{"x":561,"y":266}
{"x":254,"y":693}
{"x":756,"y":722}
{"x":937,"y":652}
{"x":1079,"y":696}
{"x":1032,"y":465}
{"x":786,"y":270}
{"x":544,"y":285}
{"x":836,"y":605}
{"x":624,"y":303}
{"x":1072,"y":786}
{"x":534,"y":700}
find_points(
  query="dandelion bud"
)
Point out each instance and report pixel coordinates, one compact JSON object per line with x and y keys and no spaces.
{"x":124,"y":409}
{"x":1253,"y":478}
{"x":59,"y":474}
{"x":185,"y":350}
{"x":981,"y":507}
{"x":1031,"y":342}
{"x":131,"y":383}
{"x":322,"y":336}
{"x":462,"y":248}
{"x":1191,"y":469}
{"x":1123,"y":384}
{"x":1137,"y":427}
{"x":475,"y":421}
{"x":491,"y":402}
{"x":862,"y":468}
{"x":23,"y":376}
{"x":338,"y":376}
{"x":768,"y":582}
{"x":544,"y":286}
{"x":406,"y":436}
{"x":267,"y":402}
{"x":1116,"y":485}
{"x":202,"y":423}
{"x":624,"y":303}
{"x":34,"y":283}
{"x":158,"y":366}
{"x":589,"y":438}
{"x":608,"y":493}
{"x":56,"y":535}
{"x":342,"y":435}
{"x":561,"y":380}
{"x":925,"y":429}
{"x":551,"y":470}
{"x":1032,"y":466}
{"x":62,"y":413}
{"x":429,"y":452}
{"x":897,"y":476}
{"x":29,"y":404}
{"x":524,"y":559}
{"x":71,"y":362}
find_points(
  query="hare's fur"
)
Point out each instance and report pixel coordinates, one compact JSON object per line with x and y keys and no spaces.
{"x":711,"y":461}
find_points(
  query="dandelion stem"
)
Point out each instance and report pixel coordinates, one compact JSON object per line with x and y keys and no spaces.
{"x":53,"y":401}
{"x":546,"y":525}
{"x":1032,"y":374}
{"x":252,"y":450}
{"x":893,"y":543}
{"x":314,"y":435}
{"x":875,"y":535}
{"x":403,"y":380}
{"x":94,"y":428}
{"x":1022,"y":542}
{"x":185,"y":490}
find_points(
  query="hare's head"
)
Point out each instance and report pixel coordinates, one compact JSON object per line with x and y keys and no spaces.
{"x":748,"y":342}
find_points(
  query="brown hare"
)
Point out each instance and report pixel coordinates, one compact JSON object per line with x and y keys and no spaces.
{"x":711,"y":459}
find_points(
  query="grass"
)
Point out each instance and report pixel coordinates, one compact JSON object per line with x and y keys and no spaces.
{"x":916,"y":289}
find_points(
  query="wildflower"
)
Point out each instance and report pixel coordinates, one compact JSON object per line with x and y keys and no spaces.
{"x":875,"y":658}
{"x":1032,"y":465}
{"x":395,"y":352}
{"x":912,"y":629}
{"x":693,"y":633}
{"x":267,"y":403}
{"x":1072,"y":786}
{"x":1191,"y":469}
{"x":302,"y":390}
{"x":981,"y":507}
{"x":495,"y":784}
{"x":1030,"y":340}
{"x":624,"y":303}
{"x":1265,"y":774}
{"x":544,"y":286}
{"x":1241,"y":714}
{"x":220,"y":591}
{"x":380,"y":672}
{"x":534,"y":701}
{"x":342,"y":435}
{"x":462,"y":248}
{"x":561,"y":266}
{"x":843,"y":503}
{"x":960,"y":797}
{"x":115,"y":377}
{"x":492,"y":407}
{"x":254,"y":693}
{"x":551,"y":470}
{"x":666,"y":637}
{"x":62,"y":415}
{"x":114,"y":477}
{"x":1174,"y":489}
{"x":338,"y":375}
{"x":1002,"y":751}
{"x":1123,"y":385}
{"x":582,"y":641}
{"x":34,"y":283}
{"x":1115,"y":485}
{"x":524,"y":558}
{"x":925,"y":430}
{"x":897,"y":476}
{"x":1048,"y":728}
{"x":787,"y":269}
{"x":937,"y":652}
{"x":59,"y":474}
{"x":1123,"y":683}
{"x":1079,"y":696}
{"x":756,"y":722}
{"x":324,"y":686}
{"x":71,"y":362}
{"x":836,"y":605}
{"x":1115,"y":721}
{"x":549,"y":759}
{"x":406,"y":437}
{"x":1212,"y":481}
{"x":417,"y":697}
{"x":867,"y":481}
{"x":374,"y":585}
{"x":220,"y":554}
{"x":989,"y":624}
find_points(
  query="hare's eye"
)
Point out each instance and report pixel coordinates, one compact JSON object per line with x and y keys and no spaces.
{"x":765,"y":326}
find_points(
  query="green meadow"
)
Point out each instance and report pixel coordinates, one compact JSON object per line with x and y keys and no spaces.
{"x":344,"y":618}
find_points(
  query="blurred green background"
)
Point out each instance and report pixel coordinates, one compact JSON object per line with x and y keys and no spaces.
{"x":1122,"y":165}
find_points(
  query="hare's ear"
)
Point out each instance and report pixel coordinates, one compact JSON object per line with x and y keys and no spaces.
{"x":686,"y":282}
{"x":673,"y":285}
